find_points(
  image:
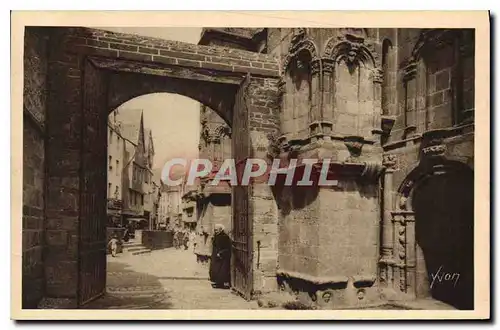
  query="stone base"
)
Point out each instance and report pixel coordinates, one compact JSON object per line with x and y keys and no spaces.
{"x":58,"y":303}
{"x":333,"y":293}
{"x":282,"y":300}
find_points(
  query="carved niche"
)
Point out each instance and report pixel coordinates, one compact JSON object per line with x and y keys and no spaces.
{"x":296,"y":86}
{"x":353,"y":82}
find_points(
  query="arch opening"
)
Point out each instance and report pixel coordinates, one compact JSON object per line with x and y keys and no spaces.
{"x":444,"y":235}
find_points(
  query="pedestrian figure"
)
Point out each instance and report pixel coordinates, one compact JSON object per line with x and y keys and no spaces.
{"x":221,"y":257}
{"x":113,"y":244}
{"x":126,"y":235}
{"x":176,"y":238}
{"x":185,"y":239}
{"x":192,"y":239}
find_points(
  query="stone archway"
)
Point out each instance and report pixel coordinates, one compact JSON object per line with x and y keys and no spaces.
{"x":438,"y":203}
{"x":90,"y":73}
{"x":444,"y":234}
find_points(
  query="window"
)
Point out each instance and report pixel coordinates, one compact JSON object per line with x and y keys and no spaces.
{"x":109,"y":189}
{"x":110,"y":166}
{"x":110,"y":136}
{"x":117,"y":167}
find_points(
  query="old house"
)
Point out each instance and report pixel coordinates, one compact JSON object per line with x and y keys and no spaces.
{"x":116,"y":154}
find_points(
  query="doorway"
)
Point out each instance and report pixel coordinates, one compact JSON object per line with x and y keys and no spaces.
{"x":444,"y":219}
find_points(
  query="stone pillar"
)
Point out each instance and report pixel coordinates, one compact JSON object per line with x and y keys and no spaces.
{"x":328,"y":89}
{"x":386,"y":260}
{"x":377,"y":100}
{"x":405,"y":251}
{"x":411,"y":268}
{"x":410,"y":72}
{"x":286,"y":114}
{"x":64,"y":161}
{"x":315,"y":113}
{"x":421,"y":113}
{"x":262,"y":210}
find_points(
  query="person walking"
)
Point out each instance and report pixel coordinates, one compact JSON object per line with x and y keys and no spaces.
{"x":176,"y":238}
{"x":192,"y":239}
{"x":185,"y":239}
{"x":113,"y":244}
{"x":219,"y":272}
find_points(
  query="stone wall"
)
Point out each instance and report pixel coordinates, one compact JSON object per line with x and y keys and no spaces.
{"x":139,"y":48}
{"x":397,"y":92}
{"x":33,"y":242}
{"x":157,"y":239}
{"x":264,"y":123}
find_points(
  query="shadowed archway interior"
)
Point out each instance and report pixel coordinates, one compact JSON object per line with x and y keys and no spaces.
{"x":444,"y":219}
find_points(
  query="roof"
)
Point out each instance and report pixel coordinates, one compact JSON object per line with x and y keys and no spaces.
{"x":130,"y":131}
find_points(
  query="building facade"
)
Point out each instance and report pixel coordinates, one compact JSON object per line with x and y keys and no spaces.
{"x":132,"y":191}
{"x":116,"y":154}
{"x":170,"y":207}
{"x":393,"y":111}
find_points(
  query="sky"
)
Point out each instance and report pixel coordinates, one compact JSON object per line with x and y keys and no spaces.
{"x":173,"y":119}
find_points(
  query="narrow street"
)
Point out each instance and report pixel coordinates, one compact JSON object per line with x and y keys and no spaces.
{"x":163,"y":279}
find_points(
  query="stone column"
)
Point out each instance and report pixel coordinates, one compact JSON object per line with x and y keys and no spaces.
{"x":421,"y":113}
{"x":316,"y":95}
{"x":377,"y":100}
{"x":327,"y":95}
{"x":286,"y":114}
{"x":63,"y":179}
{"x":386,"y":260}
{"x":399,"y":253}
{"x":411,"y":279}
{"x":410,"y":72}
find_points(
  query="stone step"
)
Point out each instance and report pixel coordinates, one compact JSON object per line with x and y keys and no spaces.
{"x":130,"y":245}
{"x":142,"y":251}
{"x":135,"y":248}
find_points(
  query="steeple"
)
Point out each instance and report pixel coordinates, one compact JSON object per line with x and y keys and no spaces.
{"x":141,"y":130}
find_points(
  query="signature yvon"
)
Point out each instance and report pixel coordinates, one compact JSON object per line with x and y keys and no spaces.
{"x":442,"y":276}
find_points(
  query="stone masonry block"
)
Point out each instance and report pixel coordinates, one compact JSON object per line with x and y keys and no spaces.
{"x":56,"y":237}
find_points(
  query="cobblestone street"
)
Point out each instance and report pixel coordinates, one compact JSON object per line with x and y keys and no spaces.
{"x":163,"y":279}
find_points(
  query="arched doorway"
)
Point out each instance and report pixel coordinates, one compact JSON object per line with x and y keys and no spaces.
{"x":89,"y":77}
{"x":444,"y":230}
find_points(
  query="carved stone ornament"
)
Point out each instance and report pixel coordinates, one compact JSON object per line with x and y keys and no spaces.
{"x":298,"y":35}
{"x":274,"y":145}
{"x":390,"y":161}
{"x":433,"y":142}
{"x":435,"y":150}
{"x":315,"y":66}
{"x":410,"y":70}
{"x":298,"y":43}
{"x":354,"y":144}
{"x":351,"y":48}
{"x":327,"y":64}
{"x":402,"y":202}
{"x":378,"y":75}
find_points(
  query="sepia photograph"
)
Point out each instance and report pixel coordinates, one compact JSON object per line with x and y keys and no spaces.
{"x":261,"y":169}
